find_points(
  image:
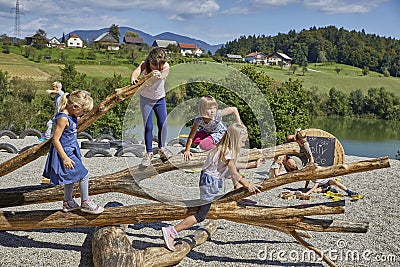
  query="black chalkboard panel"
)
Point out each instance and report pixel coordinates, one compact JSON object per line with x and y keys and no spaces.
{"x":323,"y":149}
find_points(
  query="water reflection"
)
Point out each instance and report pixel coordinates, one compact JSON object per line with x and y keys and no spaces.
{"x":363,"y":137}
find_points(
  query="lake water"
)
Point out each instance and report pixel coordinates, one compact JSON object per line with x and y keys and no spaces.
{"x":359,"y":137}
{"x":363,"y":137}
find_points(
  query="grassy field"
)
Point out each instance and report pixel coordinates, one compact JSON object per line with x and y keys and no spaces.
{"x":321,"y":77}
{"x":324,"y":77}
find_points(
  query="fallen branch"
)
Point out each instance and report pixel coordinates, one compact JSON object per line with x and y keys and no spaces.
{"x":310,"y":172}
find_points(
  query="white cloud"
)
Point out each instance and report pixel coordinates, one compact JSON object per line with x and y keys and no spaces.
{"x":266,"y":3}
{"x":236,"y":10}
{"x":342,"y":6}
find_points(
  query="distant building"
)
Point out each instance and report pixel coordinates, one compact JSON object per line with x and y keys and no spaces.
{"x":106,"y":40}
{"x":232,"y":57}
{"x":190,"y":49}
{"x":133,"y":41}
{"x":163,"y":43}
{"x":53,"y":42}
{"x":279,"y":58}
{"x":74,"y":41}
{"x":256,"y":58}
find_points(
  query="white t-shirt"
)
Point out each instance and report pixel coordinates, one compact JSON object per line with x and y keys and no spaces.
{"x":214,"y":167}
{"x":157,"y":90}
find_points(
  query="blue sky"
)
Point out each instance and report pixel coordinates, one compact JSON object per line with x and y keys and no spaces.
{"x":212,"y":21}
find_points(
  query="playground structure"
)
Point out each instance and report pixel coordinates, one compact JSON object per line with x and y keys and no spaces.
{"x":111,"y":247}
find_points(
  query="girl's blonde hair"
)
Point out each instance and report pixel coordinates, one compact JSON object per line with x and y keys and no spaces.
{"x":231,"y":141}
{"x":57,"y":84}
{"x":156,"y":57}
{"x":300,"y":134}
{"x":206,"y":102}
{"x":80,"y":98}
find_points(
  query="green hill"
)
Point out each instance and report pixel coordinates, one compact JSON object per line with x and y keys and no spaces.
{"x":320,"y":77}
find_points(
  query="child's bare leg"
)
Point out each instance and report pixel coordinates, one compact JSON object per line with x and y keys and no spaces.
{"x":338,"y":184}
{"x":186,"y":223}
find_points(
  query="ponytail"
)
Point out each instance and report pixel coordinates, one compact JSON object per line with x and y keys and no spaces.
{"x":63,"y":102}
{"x":300,"y":134}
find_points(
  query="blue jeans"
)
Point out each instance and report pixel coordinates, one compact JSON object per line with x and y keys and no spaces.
{"x":147,"y":106}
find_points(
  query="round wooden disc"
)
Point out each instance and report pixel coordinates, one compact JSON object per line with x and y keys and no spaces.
{"x":339,"y":151}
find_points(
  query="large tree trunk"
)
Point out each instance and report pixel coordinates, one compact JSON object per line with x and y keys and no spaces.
{"x":26,"y":220}
{"x":111,"y":247}
{"x":123,"y":181}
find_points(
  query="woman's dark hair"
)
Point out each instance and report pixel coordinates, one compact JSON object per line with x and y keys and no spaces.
{"x":156,"y":57}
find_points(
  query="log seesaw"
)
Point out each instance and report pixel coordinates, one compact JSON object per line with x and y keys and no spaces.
{"x":110,"y":245}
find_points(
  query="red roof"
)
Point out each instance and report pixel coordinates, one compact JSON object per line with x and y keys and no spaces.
{"x":187,"y":46}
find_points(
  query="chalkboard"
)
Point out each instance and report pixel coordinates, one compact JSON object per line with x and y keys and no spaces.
{"x":323,"y":149}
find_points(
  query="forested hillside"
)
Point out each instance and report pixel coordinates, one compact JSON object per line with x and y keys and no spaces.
{"x":327,"y":44}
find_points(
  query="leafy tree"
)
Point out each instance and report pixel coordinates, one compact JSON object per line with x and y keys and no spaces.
{"x":114,"y":31}
{"x":131,"y":34}
{"x":365,"y":71}
{"x":337,"y":103}
{"x":39,"y":39}
{"x":304,"y":70}
{"x":71,"y":79}
{"x":356,"y":102}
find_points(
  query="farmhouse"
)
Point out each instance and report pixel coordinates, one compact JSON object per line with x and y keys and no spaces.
{"x":106,"y":40}
{"x":53,"y":42}
{"x":256,"y":58}
{"x":133,"y":41}
{"x":232,"y":57}
{"x":279,"y":59}
{"x":190,"y":49}
{"x":74,"y":41}
{"x":164,"y":43}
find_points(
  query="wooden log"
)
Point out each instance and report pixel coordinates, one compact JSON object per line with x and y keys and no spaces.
{"x":263,"y":214}
{"x":124,"y":181}
{"x":325,"y":225}
{"x":25,"y":220}
{"x":115,"y":97}
{"x":111,"y":247}
{"x":310,"y":172}
{"x":158,"y":257}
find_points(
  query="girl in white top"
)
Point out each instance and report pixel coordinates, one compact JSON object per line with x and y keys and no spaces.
{"x":221,"y":159}
{"x":152,"y":99}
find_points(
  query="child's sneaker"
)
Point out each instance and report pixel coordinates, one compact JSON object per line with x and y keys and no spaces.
{"x":169,"y":235}
{"x":146,"y":160}
{"x":70,"y":205}
{"x":352,"y":194}
{"x":91,"y":207}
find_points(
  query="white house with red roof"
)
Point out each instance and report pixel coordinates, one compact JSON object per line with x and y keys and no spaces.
{"x":256,"y":58}
{"x":74,"y":41}
{"x":190,"y":49}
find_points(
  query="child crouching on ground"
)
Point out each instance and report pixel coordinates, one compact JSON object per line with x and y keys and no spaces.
{"x":320,"y":184}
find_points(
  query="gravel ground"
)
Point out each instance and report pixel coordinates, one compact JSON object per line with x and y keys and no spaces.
{"x":233,"y":244}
